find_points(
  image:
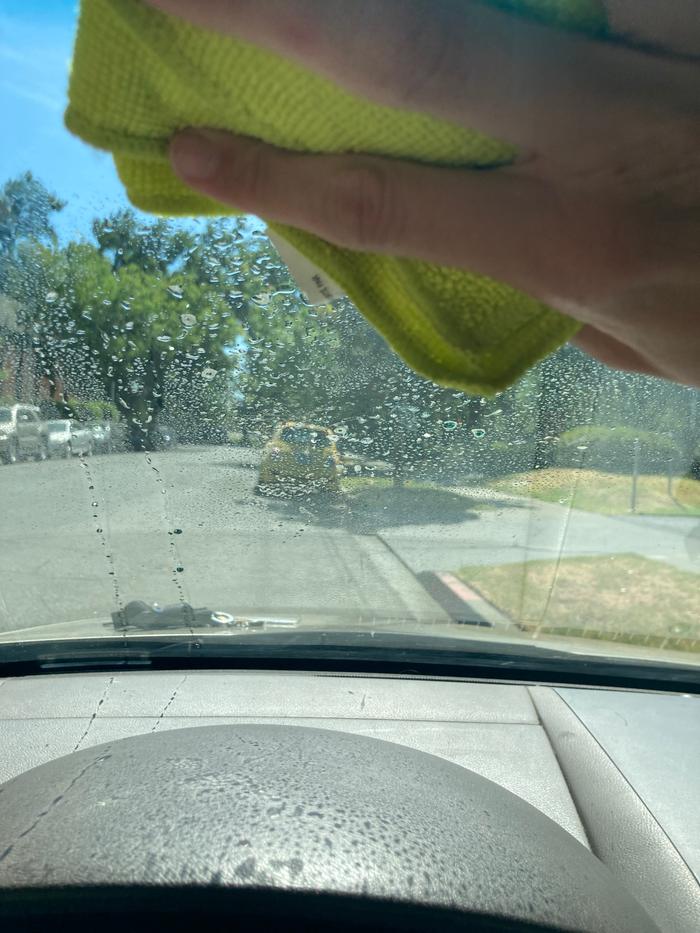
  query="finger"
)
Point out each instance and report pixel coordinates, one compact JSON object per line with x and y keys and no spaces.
{"x":672,"y":26}
{"x":517,"y":80}
{"x":500,"y":224}
{"x":613,"y":352}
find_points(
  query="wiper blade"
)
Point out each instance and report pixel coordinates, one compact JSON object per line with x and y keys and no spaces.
{"x":141,"y":616}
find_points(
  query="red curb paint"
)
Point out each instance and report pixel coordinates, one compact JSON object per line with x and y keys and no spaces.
{"x":459,"y":589}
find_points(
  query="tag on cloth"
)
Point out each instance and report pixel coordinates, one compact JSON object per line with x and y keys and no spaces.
{"x":318,"y":287}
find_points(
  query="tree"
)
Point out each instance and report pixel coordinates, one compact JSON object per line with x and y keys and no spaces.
{"x":154,"y":246}
{"x":124,"y":334}
{"x":26,"y":211}
{"x":201,"y":325}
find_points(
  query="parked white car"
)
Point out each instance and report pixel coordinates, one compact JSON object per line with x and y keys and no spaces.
{"x":22,"y":433}
{"x":102,"y":437}
{"x":67,"y":438}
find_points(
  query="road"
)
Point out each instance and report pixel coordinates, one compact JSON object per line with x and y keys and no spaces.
{"x":79,"y":538}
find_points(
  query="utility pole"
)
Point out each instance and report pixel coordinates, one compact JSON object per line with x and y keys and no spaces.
{"x":635,"y":475}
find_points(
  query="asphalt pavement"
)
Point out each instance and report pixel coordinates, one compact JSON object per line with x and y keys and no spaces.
{"x":80,"y":538}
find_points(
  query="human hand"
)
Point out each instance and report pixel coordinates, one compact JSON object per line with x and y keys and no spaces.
{"x":599,"y":218}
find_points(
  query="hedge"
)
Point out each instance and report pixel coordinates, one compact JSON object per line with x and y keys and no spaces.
{"x":612,"y":449}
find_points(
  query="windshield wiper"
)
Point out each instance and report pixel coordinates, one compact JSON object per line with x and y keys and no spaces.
{"x":139,"y":615}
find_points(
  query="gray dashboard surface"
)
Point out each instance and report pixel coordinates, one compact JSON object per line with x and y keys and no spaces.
{"x":491,"y":729}
{"x":651,"y":742}
{"x":655,"y":742}
{"x":292,"y":808}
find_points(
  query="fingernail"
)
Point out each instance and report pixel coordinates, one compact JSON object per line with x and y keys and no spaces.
{"x":195,"y":155}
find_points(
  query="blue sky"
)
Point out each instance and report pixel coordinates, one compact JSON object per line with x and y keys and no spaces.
{"x":36,"y":39}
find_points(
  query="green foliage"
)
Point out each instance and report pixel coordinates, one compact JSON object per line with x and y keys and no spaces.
{"x":122,"y":332}
{"x":199,"y":326}
{"x":26,"y":209}
{"x":153,"y":247}
{"x":612,"y":449}
{"x":94,"y":411}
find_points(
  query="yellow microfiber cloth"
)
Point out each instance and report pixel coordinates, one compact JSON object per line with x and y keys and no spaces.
{"x":138,"y":75}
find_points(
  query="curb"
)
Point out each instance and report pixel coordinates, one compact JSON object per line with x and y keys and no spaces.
{"x":464,"y":605}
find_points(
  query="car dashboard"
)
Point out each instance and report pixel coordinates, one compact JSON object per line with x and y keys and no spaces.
{"x":313,"y":783}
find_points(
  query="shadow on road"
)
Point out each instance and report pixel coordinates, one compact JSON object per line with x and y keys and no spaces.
{"x":368,"y":510}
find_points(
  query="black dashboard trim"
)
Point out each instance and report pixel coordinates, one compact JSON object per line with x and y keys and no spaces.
{"x":362,"y":653}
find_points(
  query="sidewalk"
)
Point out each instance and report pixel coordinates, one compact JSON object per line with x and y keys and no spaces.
{"x":539,"y":530}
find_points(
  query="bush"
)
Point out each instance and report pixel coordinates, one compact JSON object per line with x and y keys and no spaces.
{"x":692,"y":468}
{"x":93,"y":411}
{"x":612,"y":450}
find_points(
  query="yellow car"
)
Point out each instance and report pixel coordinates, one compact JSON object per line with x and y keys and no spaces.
{"x":300,"y":457}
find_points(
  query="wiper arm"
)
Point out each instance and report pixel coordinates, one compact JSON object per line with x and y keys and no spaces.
{"x":140,"y":615}
{"x":143,"y":616}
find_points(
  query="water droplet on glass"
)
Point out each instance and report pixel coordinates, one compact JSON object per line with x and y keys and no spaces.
{"x":188,"y":320}
{"x":208,"y":374}
{"x":51,"y":296}
{"x":175,"y":291}
{"x":478,"y":432}
{"x":449,"y":425}
{"x":164,"y":338}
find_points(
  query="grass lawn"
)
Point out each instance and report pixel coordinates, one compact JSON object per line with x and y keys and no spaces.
{"x":355,"y":484}
{"x":605,"y":493}
{"x":615,"y":598}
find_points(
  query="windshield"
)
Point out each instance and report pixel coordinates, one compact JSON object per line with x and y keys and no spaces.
{"x":564,"y":510}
